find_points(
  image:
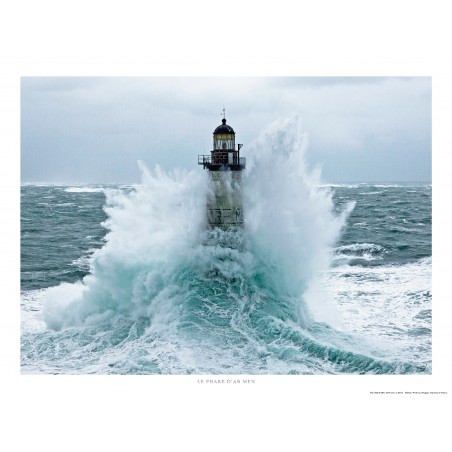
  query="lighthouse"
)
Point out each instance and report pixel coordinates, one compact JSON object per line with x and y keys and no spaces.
{"x":225,"y":166}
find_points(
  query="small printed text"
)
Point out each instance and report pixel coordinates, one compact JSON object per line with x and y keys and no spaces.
{"x":226,"y":381}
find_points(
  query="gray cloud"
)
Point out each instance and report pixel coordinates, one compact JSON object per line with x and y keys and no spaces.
{"x":95,"y":129}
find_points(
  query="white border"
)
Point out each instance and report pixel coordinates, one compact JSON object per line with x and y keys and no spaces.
{"x":332,"y":38}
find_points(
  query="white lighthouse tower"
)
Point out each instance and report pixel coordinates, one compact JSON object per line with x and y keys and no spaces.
{"x":224,"y":205}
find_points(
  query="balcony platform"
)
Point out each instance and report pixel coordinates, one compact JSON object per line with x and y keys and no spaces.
{"x":221,"y":164}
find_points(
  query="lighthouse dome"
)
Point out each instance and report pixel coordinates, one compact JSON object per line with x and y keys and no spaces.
{"x":223,"y":128}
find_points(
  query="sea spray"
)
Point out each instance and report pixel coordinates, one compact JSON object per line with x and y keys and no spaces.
{"x":166,"y":294}
{"x":157,"y":228}
{"x":150,"y":232}
{"x":289,"y":215}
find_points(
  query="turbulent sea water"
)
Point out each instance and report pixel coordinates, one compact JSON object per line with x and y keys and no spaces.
{"x":323,"y":279}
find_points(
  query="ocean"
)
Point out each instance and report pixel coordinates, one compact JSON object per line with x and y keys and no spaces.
{"x":323,"y":279}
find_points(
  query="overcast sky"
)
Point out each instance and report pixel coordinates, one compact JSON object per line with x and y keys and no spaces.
{"x":93,"y":130}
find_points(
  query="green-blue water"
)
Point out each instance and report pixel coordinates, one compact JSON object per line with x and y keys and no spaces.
{"x":221,"y":310}
{"x":323,"y":279}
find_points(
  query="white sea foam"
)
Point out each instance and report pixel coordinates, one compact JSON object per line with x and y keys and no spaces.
{"x":364,"y":193}
{"x":403,"y":185}
{"x":147,"y":304}
{"x":84,"y":190}
{"x":343,"y":185}
{"x":389,"y":303}
{"x":31,"y":310}
{"x":154,"y":228}
{"x":365,"y":251}
{"x":151,"y":230}
{"x":360,"y":247}
{"x":84,"y":262}
{"x":289,"y":214}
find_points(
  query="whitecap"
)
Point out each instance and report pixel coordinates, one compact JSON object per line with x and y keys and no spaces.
{"x":84,"y":190}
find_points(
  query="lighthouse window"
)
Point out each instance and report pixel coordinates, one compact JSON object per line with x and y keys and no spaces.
{"x":224,"y":142}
